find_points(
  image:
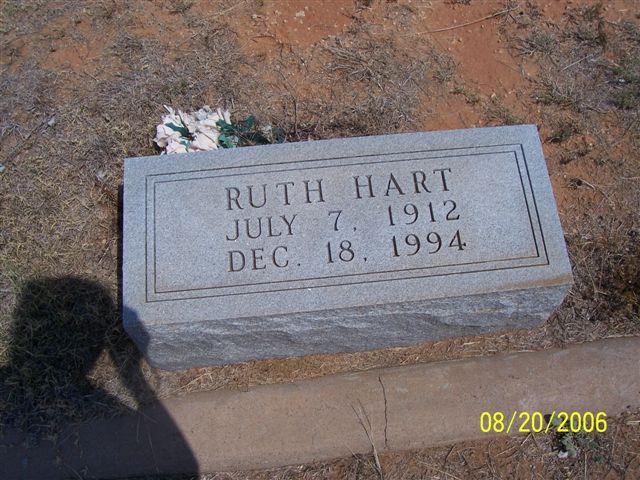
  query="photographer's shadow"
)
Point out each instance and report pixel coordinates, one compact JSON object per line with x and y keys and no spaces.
{"x":66,"y":337}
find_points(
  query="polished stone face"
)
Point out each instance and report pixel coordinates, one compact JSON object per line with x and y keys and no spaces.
{"x":339,"y":245}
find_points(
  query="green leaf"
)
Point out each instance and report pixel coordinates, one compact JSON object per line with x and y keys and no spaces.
{"x":245,"y":133}
{"x":278,"y":135}
{"x":248,"y":123}
{"x":228,"y":141}
{"x":225,"y":127}
{"x":181,"y":129}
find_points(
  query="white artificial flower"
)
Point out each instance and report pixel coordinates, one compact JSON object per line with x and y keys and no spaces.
{"x":203,"y":113}
{"x":202,"y":125}
{"x":164,"y":135}
{"x":208,"y":123}
{"x":175,"y":146}
{"x":203,"y":142}
{"x":189,"y":121}
{"x":172,"y":116}
{"x":224,"y":115}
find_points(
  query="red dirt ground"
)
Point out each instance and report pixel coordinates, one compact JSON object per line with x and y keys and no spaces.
{"x":287,"y":42}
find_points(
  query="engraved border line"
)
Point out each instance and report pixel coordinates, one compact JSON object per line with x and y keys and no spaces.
{"x":365,"y":273}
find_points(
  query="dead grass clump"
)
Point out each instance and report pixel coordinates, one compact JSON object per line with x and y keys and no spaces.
{"x":588,"y":64}
{"x":588,"y":24}
{"x":497,"y":113}
{"x":563,"y":128}
{"x":589,"y":89}
{"x":129,"y":107}
{"x":385,"y":81}
{"x":605,"y":299}
{"x":575,"y":92}
{"x":26,"y":101}
{"x":16,"y":16}
{"x":364,"y":82}
{"x":539,"y":41}
{"x":60,"y":327}
{"x":625,"y":77}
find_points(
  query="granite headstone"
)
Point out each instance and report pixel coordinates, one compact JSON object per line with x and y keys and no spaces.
{"x":339,"y":245}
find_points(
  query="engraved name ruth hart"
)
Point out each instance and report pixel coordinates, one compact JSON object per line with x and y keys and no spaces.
{"x":283,"y":194}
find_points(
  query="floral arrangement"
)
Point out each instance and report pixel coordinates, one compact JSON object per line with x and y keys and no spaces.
{"x":207,"y":129}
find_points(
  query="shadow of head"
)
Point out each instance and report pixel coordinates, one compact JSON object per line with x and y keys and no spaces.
{"x":60,"y":327}
{"x":66,"y":334}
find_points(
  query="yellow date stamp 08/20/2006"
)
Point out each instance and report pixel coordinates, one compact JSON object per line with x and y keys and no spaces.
{"x":537,"y":422}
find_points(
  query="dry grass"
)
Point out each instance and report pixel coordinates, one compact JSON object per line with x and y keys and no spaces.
{"x":589,"y":65}
{"x":497,"y":113}
{"x":386,"y":80}
{"x":70,"y":361}
{"x":60,"y":328}
{"x":589,"y":84}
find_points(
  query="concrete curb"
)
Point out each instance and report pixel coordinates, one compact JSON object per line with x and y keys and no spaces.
{"x":399,"y":408}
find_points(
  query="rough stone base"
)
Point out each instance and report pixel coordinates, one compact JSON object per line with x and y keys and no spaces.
{"x":186,"y":345}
